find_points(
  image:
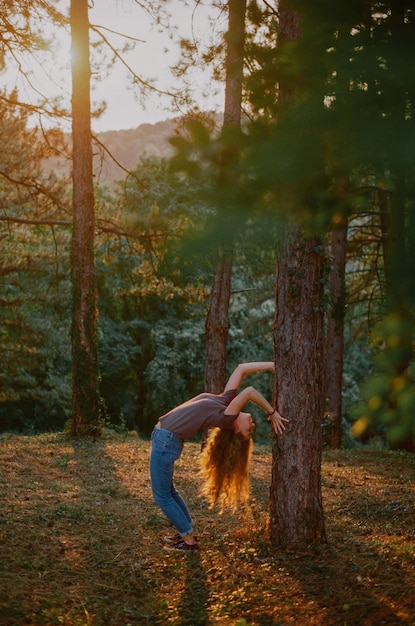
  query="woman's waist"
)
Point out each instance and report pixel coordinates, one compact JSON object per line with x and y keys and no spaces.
{"x":160,"y":426}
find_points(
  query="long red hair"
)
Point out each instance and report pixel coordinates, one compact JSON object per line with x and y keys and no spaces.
{"x":224,"y":468}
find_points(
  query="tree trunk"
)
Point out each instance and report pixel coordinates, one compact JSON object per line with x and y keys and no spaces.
{"x":334,"y":349}
{"x":296,"y":501}
{"x":85,"y":374}
{"x":217,"y":327}
{"x":235,"y":47}
{"x":217,"y":321}
{"x":295,"y":497}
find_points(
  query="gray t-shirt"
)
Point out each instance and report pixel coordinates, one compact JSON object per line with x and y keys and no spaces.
{"x":200,"y":413}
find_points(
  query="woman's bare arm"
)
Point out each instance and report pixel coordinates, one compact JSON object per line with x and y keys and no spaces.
{"x":250,"y":394}
{"x":243,"y":369}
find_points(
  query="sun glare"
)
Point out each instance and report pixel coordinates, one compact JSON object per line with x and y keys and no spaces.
{"x":75,"y":55}
{"x":47,"y":73}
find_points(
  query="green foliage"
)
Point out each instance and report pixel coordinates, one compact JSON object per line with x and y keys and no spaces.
{"x":236,"y":208}
{"x":146,"y":288}
{"x":329,"y":132}
{"x":34,"y":287}
{"x":176,"y":371}
{"x":153,"y":295}
{"x":389,"y":395}
{"x":35,"y":370}
{"x":333,"y":134}
{"x":118,"y":352}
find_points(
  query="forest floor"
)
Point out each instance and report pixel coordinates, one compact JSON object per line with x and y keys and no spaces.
{"x":81,"y":542}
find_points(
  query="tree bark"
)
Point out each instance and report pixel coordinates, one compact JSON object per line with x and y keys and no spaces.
{"x":217,"y":320}
{"x":217,"y":326}
{"x":334,"y":348}
{"x":296,"y":501}
{"x":85,"y":372}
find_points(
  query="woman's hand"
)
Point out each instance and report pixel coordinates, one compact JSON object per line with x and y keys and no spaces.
{"x":277,"y":422}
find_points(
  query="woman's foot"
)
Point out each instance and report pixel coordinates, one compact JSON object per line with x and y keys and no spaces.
{"x":182,"y":546}
{"x":173,"y":538}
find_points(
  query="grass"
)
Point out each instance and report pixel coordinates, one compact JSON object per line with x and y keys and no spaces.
{"x":80,"y":543}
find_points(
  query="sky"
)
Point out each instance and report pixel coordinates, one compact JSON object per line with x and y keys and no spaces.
{"x":151,"y":58}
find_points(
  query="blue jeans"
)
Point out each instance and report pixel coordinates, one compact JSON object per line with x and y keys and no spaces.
{"x":166,"y":448}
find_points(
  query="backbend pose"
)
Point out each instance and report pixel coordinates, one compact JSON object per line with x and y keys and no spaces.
{"x":225,"y":459}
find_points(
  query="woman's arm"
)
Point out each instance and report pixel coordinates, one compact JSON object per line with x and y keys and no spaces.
{"x":250,"y":394}
{"x":243,"y":369}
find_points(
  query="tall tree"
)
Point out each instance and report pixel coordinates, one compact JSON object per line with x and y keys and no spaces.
{"x":217,"y":321}
{"x":85,"y":371}
{"x":334,"y":346}
{"x":296,"y":500}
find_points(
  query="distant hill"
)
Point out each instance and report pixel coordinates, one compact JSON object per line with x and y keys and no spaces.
{"x":126,"y":148}
{"x":123,"y":148}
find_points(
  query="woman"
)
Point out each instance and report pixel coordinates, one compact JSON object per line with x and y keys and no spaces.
{"x":231,"y":440}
